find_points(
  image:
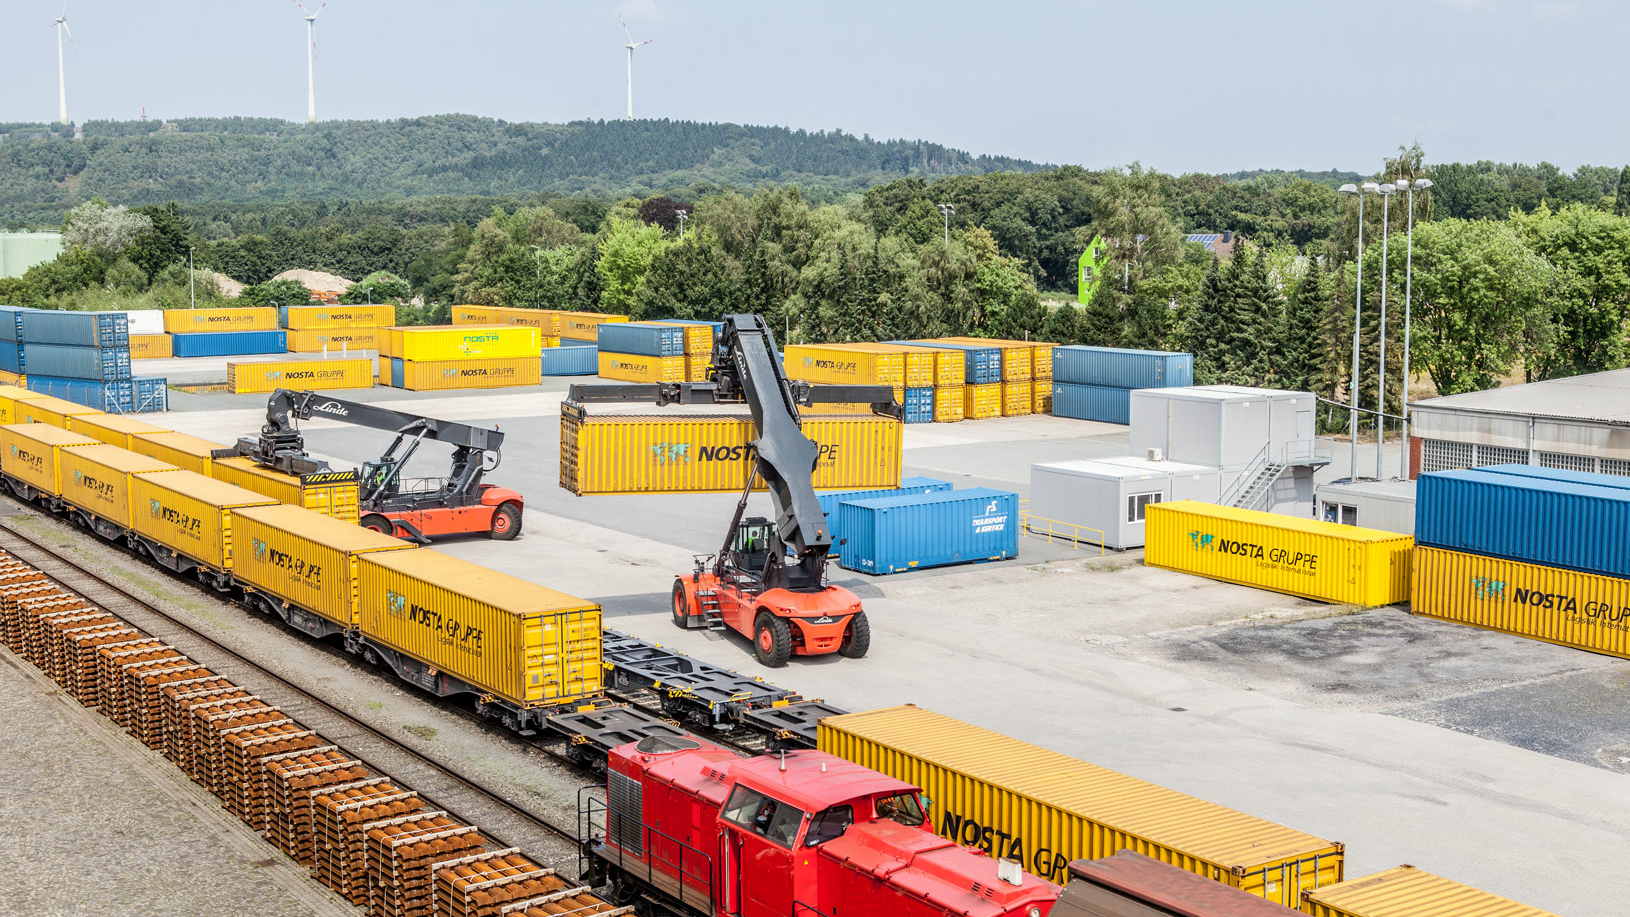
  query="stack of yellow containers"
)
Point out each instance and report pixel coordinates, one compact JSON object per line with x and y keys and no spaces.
{"x":322,"y":329}
{"x":698,"y":349}
{"x":1040,"y":360}
{"x":1018,"y":373}
{"x":436,"y":357}
{"x":149,"y":346}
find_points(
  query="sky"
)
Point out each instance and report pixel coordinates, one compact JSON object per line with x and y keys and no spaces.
{"x":1179,"y":85}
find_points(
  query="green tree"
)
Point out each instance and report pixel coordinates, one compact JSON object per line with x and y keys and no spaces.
{"x":1301,"y":350}
{"x":1062,"y":325}
{"x":1208,"y":325}
{"x":1592,"y":249}
{"x":275,"y":292}
{"x":378,"y":287}
{"x":1621,"y":196}
{"x":1130,"y":210}
{"x":164,"y":243}
{"x":95,"y":225}
{"x":627,"y":248}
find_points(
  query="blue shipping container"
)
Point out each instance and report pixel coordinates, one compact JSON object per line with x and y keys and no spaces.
{"x":571,"y":361}
{"x":641,"y":338}
{"x":1102,"y":403}
{"x":1122,"y":368}
{"x":1561,"y":474}
{"x":11,"y":357}
{"x":830,"y":501}
{"x":397,"y":372}
{"x":984,"y":364}
{"x":152,"y":393}
{"x":919,"y":406}
{"x":128,"y":396}
{"x":1551,"y":522}
{"x":69,"y":362}
{"x":228,"y":343}
{"x":80,"y":329}
{"x":573,"y":342}
{"x":718,"y":327}
{"x":895,"y":534}
{"x":11,"y":323}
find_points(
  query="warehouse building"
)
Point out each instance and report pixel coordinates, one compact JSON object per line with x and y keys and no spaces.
{"x":1580,"y":423}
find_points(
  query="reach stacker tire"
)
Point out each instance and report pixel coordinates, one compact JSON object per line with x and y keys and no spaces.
{"x":772,"y":640}
{"x":506,"y":523}
{"x":681,"y":607}
{"x":379,"y":524}
{"x":858,"y":639}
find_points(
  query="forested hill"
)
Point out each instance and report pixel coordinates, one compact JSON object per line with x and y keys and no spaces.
{"x":258,"y":159}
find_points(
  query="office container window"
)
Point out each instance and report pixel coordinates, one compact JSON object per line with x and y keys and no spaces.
{"x":1136,"y":504}
{"x":1567,"y":461}
{"x":1442,"y":455}
{"x":1341,"y":513}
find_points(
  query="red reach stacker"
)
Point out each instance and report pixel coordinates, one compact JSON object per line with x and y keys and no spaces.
{"x":768,"y":580}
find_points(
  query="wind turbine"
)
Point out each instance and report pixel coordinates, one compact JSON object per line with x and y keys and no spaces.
{"x":61,"y":25}
{"x":311,"y":55}
{"x":632,"y":44}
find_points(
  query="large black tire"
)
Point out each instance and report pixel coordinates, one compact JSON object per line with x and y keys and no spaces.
{"x":506,"y":523}
{"x":681,"y":607}
{"x":858,"y":638}
{"x":379,"y":524}
{"x":772,"y":640}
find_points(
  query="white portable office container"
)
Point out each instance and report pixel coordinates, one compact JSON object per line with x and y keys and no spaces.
{"x":1111,"y":495}
{"x":1385,"y":505}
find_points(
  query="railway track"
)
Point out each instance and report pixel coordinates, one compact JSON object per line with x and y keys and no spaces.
{"x":439,"y":783}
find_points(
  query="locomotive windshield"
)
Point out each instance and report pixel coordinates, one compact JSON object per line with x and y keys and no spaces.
{"x":901,"y":807}
{"x":763,"y":815}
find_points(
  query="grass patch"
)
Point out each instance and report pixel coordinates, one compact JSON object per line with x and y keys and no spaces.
{"x":423,"y":732}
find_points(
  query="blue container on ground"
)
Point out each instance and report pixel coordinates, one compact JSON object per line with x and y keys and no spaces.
{"x":895,"y":534}
{"x":152,"y":393}
{"x":1118,"y":368}
{"x":69,"y":362}
{"x":641,"y":338}
{"x":115,"y":397}
{"x":80,"y":329}
{"x":11,"y":323}
{"x":571,"y":361}
{"x":919,"y":406}
{"x":1551,"y":522}
{"x":228,"y":343}
{"x":11,"y":356}
{"x":830,"y":501}
{"x":984,"y":364}
{"x":573,"y":342}
{"x":397,"y":372}
{"x":1102,"y":403}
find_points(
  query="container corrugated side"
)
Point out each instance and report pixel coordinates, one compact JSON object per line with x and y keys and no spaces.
{"x":305,"y":318}
{"x":30,"y":453}
{"x":228,"y":343}
{"x":839,"y":366}
{"x":9,"y":394}
{"x":299,"y":375}
{"x":1102,"y":403}
{"x":71,"y":362}
{"x":583,"y":326}
{"x":1405,"y":891}
{"x":1041,"y":353}
{"x":830,"y":501}
{"x":982,"y":401}
{"x":546,"y":321}
{"x":77,"y":329}
{"x":334,"y":340}
{"x":1120,"y":368}
{"x":305,"y":559}
{"x":1586,"y":611}
{"x":894,"y":534}
{"x":150,"y":346}
{"x":1320,"y":560}
{"x":633,"y":367}
{"x":251,"y":318}
{"x":439,"y":343}
{"x":918,"y":364}
{"x":696,"y":366}
{"x":1041,"y":395}
{"x":1018,"y":361}
{"x":54,"y":411}
{"x":698,"y":337}
{"x":442,"y":375}
{"x":113,"y":429}
{"x":569,"y":361}
{"x":982,"y":364}
{"x":525,"y":643}
{"x":329,"y":493}
{"x":472,"y":315}
{"x":643,"y":338}
{"x":189,"y":514}
{"x":179,"y":449}
{"x":1501,"y":515}
{"x":1051,"y":809}
{"x":1016,"y":399}
{"x":622,"y":453}
{"x":950,"y":404}
{"x":97,"y":479}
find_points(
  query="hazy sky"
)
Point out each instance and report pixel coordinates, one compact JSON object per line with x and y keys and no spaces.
{"x":1181,"y":85}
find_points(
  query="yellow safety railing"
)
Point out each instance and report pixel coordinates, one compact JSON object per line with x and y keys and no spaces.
{"x":1055,"y":530}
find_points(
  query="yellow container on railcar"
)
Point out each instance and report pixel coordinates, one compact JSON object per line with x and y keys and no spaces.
{"x":1342,"y":564}
{"x":54,"y":411}
{"x":150,"y":346}
{"x":179,"y":449}
{"x":1044,"y":809}
{"x":304,"y":558}
{"x":30,"y":453}
{"x":530,"y":645}
{"x":633,"y":367}
{"x":113,"y":429}
{"x":9,"y":395}
{"x":300,"y":375}
{"x":335,"y":340}
{"x":244,"y":318}
{"x":1409,"y":892}
{"x":190,"y":514}
{"x":330,"y":493}
{"x":97,"y":479}
{"x":311,"y":318}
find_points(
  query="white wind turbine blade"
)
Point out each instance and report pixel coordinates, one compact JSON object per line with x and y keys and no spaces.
{"x":70,"y":32}
{"x":625,"y":28}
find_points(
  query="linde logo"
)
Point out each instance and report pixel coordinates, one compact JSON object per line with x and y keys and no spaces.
{"x":1041,"y":861}
{"x":332,"y":407}
{"x":842,"y":366}
{"x":448,"y":631}
{"x":1296,"y":561}
{"x":1590,"y":612}
{"x":992,"y":519}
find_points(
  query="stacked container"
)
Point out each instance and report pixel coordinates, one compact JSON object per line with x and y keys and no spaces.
{"x":846,"y":364}
{"x":439,"y":357}
{"x":1023,"y":363}
{"x":300,"y":375}
{"x":698,"y":348}
{"x":546,"y":321}
{"x":224,"y":332}
{"x":583,"y":326}
{"x":642,"y":352}
{"x":981,"y":394}
{"x":148,"y":341}
{"x":1536,"y":552}
{"x":84,"y":357}
{"x":327,"y":329}
{"x":1095,"y":383}
{"x":11,"y":342}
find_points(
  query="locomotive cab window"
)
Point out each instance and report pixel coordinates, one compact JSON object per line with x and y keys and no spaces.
{"x":763,"y":815}
{"x":825,"y":826}
{"x":901,"y":807}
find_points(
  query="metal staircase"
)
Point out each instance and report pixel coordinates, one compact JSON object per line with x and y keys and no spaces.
{"x":1257,"y":480}
{"x":1257,"y":485}
{"x":708,"y":601}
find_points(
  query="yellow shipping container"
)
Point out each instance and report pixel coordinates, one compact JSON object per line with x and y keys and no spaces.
{"x":330,"y":493}
{"x":949,"y":404}
{"x":1041,"y":395}
{"x":179,"y":449}
{"x":839,"y":366}
{"x":1022,"y":802}
{"x":1335,"y":563}
{"x":149,"y":346}
{"x":30,"y":454}
{"x":307,"y":318}
{"x":436,"y":343}
{"x":504,"y":636}
{"x":189,"y":514}
{"x":246,"y":318}
{"x":696,"y":367}
{"x":583,"y":326}
{"x":113,"y":429}
{"x":691,"y":453}
{"x":546,"y":320}
{"x":1405,"y":891}
{"x":698,"y":338}
{"x":14,"y":393}
{"x":14,"y":379}
{"x":459,"y":374}
{"x":335,"y":340}
{"x":53,"y":411}
{"x":1587,"y":611}
{"x":97,"y":480}
{"x":631,"y":367}
{"x":472,"y":315}
{"x":982,"y":401}
{"x":1018,"y":357}
{"x":1041,"y":352}
{"x":919,"y":365}
{"x":1017,"y":399}
{"x":305,"y":559}
{"x":300,"y":375}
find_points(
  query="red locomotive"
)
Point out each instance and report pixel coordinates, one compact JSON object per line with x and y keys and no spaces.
{"x":692,"y":828}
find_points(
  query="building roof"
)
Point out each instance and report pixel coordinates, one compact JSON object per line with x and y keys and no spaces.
{"x":1595,"y":398}
{"x":1122,"y":467}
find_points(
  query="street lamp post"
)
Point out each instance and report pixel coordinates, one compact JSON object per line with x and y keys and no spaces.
{"x":1358,"y":317}
{"x":192,"y":288}
{"x":682,"y":213}
{"x":1387,"y":190}
{"x":946,"y":210}
{"x":1420,"y":184}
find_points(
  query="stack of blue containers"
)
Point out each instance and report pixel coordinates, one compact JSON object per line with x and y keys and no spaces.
{"x":896,"y":533}
{"x":11,"y":339}
{"x":1096,"y":383}
{"x":84,"y":357}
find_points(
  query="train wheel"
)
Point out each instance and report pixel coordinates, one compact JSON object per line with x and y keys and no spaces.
{"x":858,"y":638}
{"x":772,"y":640}
{"x":506,"y":523}
{"x":378,"y":524}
